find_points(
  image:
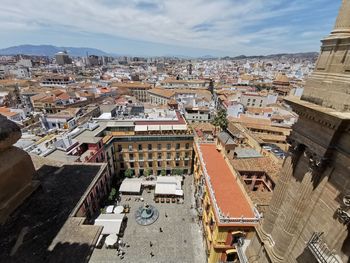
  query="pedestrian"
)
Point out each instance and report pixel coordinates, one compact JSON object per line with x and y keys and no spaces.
{"x":160,"y":229}
{"x":166,"y":215}
{"x":150,"y":244}
{"x":152,"y":255}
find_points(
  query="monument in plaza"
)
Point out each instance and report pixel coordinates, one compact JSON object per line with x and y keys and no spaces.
{"x":308,"y":219}
{"x":146,"y":214}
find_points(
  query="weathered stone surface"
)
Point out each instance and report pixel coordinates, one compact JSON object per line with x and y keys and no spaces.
{"x":16,"y":170}
{"x":313,"y":201}
{"x":10,"y":133}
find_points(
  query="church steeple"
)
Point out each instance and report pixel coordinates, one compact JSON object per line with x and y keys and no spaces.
{"x":342,"y":24}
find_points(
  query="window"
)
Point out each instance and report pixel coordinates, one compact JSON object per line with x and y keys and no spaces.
{"x":159,"y":147}
{"x":186,"y":163}
{"x":168,"y":146}
{"x":149,"y":164}
{"x":187,"y":146}
{"x":140,"y":147}
{"x":131,"y":165}
{"x":150,"y":156}
{"x":130,"y":147}
{"x":177,"y":146}
{"x":120,"y":148}
{"x":177,"y":155}
{"x":150,"y":147}
{"x":168,"y":156}
{"x":141,"y":157}
{"x":159,"y":155}
{"x":131,"y":157}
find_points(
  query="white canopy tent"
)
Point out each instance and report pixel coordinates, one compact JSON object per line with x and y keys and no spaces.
{"x":168,"y":186}
{"x":111,"y":223}
{"x":132,"y":185}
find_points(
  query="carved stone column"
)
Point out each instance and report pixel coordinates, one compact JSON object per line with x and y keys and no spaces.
{"x":280,"y":190}
{"x":299,"y":194}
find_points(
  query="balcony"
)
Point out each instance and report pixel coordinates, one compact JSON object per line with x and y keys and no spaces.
{"x":320,"y":250}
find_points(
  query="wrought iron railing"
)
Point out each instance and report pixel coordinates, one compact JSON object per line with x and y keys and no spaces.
{"x":321,"y":251}
{"x":224,"y":219}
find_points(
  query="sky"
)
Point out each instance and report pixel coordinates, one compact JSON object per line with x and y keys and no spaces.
{"x":170,"y":27}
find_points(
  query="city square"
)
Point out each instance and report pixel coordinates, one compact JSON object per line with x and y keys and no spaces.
{"x":174,"y":237}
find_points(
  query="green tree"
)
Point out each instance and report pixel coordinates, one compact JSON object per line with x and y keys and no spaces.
{"x":129,"y":173}
{"x":177,"y":171}
{"x":112,"y":194}
{"x":163,"y":172}
{"x":220,"y":120}
{"x":147,"y":172}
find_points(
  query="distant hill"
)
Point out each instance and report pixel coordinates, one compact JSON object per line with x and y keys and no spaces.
{"x":49,"y":50}
{"x":277,"y":56}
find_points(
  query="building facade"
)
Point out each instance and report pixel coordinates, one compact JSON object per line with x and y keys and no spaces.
{"x":227,"y":216}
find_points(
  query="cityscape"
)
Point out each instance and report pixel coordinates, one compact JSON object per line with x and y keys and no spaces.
{"x":174,"y":152}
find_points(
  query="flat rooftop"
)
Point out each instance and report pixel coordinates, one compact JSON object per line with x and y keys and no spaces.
{"x":45,"y":214}
{"x":62,"y":156}
{"x":228,"y":195}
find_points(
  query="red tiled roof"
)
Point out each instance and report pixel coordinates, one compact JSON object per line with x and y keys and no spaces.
{"x":228,"y":194}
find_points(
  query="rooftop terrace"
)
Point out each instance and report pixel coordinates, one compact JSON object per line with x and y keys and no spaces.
{"x":231,"y":206}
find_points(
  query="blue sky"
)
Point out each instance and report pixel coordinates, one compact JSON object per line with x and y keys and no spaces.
{"x":170,"y":27}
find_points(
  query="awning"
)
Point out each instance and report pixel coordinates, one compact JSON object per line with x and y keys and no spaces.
{"x":111,"y":223}
{"x":153,"y":127}
{"x":180,"y":127}
{"x":130,"y":186}
{"x":166,"y":127}
{"x":165,"y":189}
{"x":141,"y":128}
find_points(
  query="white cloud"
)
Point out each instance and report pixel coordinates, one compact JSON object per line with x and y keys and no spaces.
{"x":222,"y":23}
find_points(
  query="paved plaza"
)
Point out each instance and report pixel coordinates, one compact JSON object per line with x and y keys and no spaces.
{"x":180,"y":240}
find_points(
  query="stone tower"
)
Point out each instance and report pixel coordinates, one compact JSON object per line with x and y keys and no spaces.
{"x":309,"y":215}
{"x":16,"y":170}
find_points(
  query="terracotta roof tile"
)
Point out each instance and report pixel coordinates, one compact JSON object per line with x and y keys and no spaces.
{"x":228,"y":194}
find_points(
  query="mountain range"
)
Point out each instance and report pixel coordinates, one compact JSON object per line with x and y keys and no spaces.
{"x":50,"y":50}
